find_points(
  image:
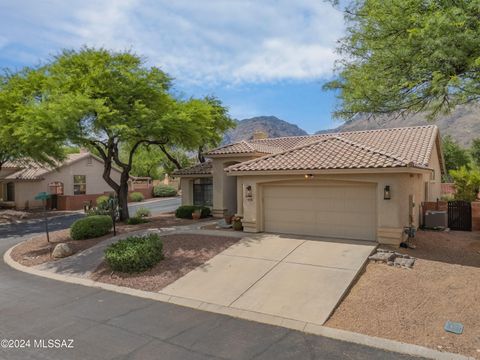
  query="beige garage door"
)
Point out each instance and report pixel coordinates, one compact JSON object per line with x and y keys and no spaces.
{"x":333,"y":211}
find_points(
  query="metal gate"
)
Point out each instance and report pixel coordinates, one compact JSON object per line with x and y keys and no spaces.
{"x":460,"y":215}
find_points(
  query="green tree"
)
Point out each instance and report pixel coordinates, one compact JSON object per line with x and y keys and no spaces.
{"x":475,"y":151}
{"x":454,"y":155}
{"x":146,"y":161}
{"x":408,"y":56}
{"x":467,"y":183}
{"x":213,"y":119}
{"x":24,"y":132}
{"x":109,"y":100}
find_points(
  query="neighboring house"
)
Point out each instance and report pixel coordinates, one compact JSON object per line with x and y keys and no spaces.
{"x":365,"y":185}
{"x":78,"y":179}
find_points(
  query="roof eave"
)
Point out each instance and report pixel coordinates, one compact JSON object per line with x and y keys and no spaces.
{"x":403,"y":169}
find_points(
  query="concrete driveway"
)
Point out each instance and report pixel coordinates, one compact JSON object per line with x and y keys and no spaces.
{"x":289,"y":277}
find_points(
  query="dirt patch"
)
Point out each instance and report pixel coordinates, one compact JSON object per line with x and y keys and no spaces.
{"x":413,"y":305}
{"x":183,"y":253}
{"x":37,"y":250}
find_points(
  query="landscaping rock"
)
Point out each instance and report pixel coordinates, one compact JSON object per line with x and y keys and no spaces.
{"x":393,"y":258}
{"x":62,"y":250}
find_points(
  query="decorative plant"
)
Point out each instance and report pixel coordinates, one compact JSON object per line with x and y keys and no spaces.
{"x":237,"y":223}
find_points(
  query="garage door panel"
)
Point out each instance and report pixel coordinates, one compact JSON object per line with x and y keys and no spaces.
{"x":333,"y":211}
{"x":292,"y":216}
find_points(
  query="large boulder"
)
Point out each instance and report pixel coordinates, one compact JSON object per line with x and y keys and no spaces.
{"x":62,"y":250}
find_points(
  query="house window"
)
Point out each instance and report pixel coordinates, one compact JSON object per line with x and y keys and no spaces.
{"x":79,"y":184}
{"x":203,"y":192}
{"x":90,"y":161}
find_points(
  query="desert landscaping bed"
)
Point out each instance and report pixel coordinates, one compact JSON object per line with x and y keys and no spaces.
{"x":182,"y":253}
{"x":412,"y":306}
{"x":37,"y":250}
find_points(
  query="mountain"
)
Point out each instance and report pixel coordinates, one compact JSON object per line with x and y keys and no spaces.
{"x":270,"y":125}
{"x":463,"y":124}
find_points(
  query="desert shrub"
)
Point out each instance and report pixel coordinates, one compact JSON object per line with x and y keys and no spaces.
{"x":102,"y":201}
{"x":447,"y":197}
{"x":142,"y":212}
{"x":136,"y":220}
{"x":136,"y":197}
{"x":164,"y":191}
{"x":91,"y":227}
{"x":98,"y":211}
{"x":135,"y":253}
{"x":467,"y":183}
{"x":185,"y":211}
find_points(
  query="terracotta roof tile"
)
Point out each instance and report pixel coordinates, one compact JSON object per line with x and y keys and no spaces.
{"x":332,"y":152}
{"x":411,"y":145}
{"x":199,"y":169}
{"x":29,"y":170}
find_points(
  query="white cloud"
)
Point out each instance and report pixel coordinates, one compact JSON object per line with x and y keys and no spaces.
{"x":227,"y":41}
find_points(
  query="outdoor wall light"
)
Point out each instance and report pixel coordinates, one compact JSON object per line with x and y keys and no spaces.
{"x":386,"y":193}
{"x":248,"y":192}
{"x":308,"y":176}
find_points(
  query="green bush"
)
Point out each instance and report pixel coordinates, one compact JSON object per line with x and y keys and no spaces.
{"x":142,"y":212}
{"x":91,"y":227}
{"x":136,"y":197}
{"x":164,"y":191}
{"x":102,"y":201}
{"x":135,"y":253}
{"x":467,"y":183}
{"x":98,"y":211}
{"x":136,"y":220}
{"x":185,"y":211}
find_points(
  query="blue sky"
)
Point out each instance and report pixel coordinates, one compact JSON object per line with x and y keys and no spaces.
{"x":266,"y":57}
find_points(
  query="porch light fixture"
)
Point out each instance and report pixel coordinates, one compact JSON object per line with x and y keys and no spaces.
{"x":248,"y":192}
{"x":308,"y":176}
{"x":386,"y":193}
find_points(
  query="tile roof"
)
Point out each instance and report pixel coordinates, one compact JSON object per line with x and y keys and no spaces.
{"x":29,"y":170}
{"x":199,"y":169}
{"x":399,"y":147}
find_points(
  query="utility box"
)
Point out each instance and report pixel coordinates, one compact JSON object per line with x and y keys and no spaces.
{"x":436,"y":219}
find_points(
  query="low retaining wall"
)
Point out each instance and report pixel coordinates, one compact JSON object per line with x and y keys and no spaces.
{"x":434,"y":205}
{"x":76,"y":202}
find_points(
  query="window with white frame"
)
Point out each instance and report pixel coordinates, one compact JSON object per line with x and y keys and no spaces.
{"x":79,"y":184}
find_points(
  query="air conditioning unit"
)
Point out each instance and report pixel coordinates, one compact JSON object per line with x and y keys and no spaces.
{"x":436,"y":219}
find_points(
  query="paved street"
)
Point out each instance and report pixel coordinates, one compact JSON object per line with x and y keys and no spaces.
{"x":25,"y":230}
{"x":108,"y":325}
{"x":157,"y":206}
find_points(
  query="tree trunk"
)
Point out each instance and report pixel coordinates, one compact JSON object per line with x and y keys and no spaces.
{"x":122,"y":194}
{"x":170,"y":157}
{"x":201,"y":158}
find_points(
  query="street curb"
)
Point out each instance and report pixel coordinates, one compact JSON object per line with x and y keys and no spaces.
{"x":337,"y":334}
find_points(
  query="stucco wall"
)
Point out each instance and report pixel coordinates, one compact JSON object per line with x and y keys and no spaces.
{"x":435,"y":179}
{"x":224,"y":189}
{"x":25,"y":191}
{"x":392,"y":215}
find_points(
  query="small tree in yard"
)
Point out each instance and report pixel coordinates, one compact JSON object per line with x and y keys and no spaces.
{"x":467,"y":183}
{"x":110,"y":101}
{"x":455,"y":156}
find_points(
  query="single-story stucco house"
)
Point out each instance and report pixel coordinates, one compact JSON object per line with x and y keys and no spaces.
{"x":75,"y":181}
{"x":364,"y":185}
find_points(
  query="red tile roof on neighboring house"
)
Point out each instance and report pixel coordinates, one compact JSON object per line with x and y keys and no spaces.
{"x":30,"y":170}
